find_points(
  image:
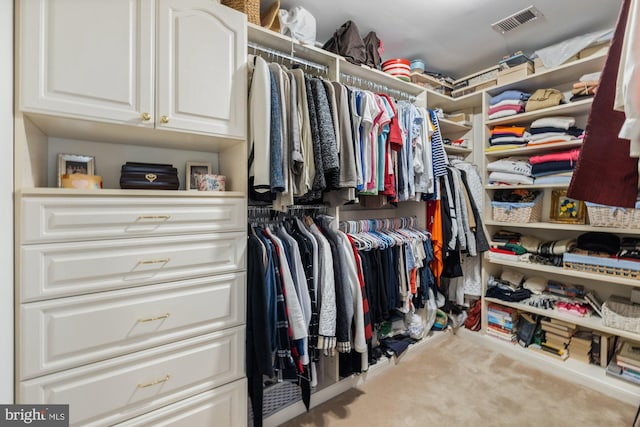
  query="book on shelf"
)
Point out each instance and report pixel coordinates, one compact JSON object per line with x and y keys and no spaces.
{"x":508,"y":324}
{"x":582,"y":338}
{"x":502,"y":336}
{"x":602,"y":348}
{"x":629,"y":353}
{"x":500,"y":329}
{"x":559,"y":332}
{"x":549,"y":352}
{"x":616,"y":371}
{"x":623,"y":364}
{"x":562,"y":324}
{"x":527,"y":325}
{"x":501,"y":308}
{"x":556,"y":340}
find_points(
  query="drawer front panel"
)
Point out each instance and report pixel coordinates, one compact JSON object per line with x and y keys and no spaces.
{"x":68,"y":332}
{"x":105,"y":393}
{"x":225,"y":406}
{"x":64,"y":219}
{"x":62,"y":269}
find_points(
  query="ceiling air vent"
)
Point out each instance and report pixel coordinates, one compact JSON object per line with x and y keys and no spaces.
{"x":516,"y":20}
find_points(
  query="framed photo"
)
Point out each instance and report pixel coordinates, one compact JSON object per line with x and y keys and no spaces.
{"x":74,"y":163}
{"x":565,"y":209}
{"x":193,"y":170}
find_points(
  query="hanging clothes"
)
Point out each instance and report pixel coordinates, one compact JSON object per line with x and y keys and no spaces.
{"x":605,"y":173}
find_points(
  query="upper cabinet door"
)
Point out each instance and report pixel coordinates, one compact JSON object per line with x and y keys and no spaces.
{"x":90,"y":59}
{"x":201,"y":75}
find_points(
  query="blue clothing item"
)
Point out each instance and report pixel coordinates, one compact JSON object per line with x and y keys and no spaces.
{"x":509,"y":94}
{"x":270,"y":279}
{"x":276,"y":175}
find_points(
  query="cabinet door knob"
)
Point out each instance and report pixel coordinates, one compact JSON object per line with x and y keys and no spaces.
{"x":145,"y":116}
{"x":164,"y":119}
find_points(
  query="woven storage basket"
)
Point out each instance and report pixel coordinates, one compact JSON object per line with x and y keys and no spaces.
{"x":608,"y":266}
{"x":609,"y":216}
{"x":518,"y":212}
{"x":251,"y":8}
{"x":621,"y":315}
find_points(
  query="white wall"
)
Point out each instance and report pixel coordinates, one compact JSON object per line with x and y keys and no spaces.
{"x":6,"y":201}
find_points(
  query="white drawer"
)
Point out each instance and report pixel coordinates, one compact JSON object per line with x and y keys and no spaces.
{"x":61,"y":269}
{"x":68,"y":332}
{"x":115,"y":390}
{"x":64,"y":219}
{"x":225,"y":406}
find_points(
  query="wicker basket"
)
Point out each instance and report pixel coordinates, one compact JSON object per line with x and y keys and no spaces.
{"x":598,"y":265}
{"x":621,"y":315}
{"x":609,"y":216}
{"x":251,"y":8}
{"x":518,"y":212}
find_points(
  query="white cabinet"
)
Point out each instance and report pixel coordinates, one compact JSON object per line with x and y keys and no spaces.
{"x":96,"y":60}
{"x":88,"y":59}
{"x":201,"y":76}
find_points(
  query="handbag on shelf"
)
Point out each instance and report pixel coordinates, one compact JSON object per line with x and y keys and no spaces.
{"x":148,"y":176}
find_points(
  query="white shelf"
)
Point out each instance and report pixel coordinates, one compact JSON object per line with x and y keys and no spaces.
{"x":450,"y":104}
{"x":591,"y":376}
{"x":452,"y":149}
{"x":571,"y":274}
{"x":372,"y":75}
{"x":449,"y":127}
{"x":276,"y":41}
{"x":565,"y":227}
{"x":534,"y":186}
{"x":570,"y":109}
{"x":427,"y":79}
{"x":592,"y":322}
{"x":67,"y":192}
{"x":533,"y":149}
{"x":549,"y":78}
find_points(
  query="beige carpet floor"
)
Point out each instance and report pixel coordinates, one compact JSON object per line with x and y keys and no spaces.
{"x":456,"y":382}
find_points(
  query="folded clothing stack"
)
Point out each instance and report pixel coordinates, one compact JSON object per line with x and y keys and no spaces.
{"x":510,"y":170}
{"x":507,"y":103}
{"x":554,"y":168}
{"x":550,"y":130}
{"x":508,"y":136}
{"x":586,"y":87}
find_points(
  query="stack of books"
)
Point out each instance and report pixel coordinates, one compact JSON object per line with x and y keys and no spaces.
{"x":558,"y":335}
{"x":602,"y":348}
{"x":580,"y":346}
{"x":502,"y":322}
{"x":626,"y":364}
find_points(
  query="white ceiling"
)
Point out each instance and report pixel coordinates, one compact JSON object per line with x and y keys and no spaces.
{"x":455,"y":36}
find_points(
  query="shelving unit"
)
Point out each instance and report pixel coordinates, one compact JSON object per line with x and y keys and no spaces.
{"x":569,"y":109}
{"x":591,"y":322}
{"x":603,"y":285}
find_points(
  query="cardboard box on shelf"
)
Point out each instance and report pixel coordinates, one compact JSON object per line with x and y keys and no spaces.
{"x":516,"y":73}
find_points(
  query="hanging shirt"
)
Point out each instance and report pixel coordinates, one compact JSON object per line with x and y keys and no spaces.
{"x":259,"y":127}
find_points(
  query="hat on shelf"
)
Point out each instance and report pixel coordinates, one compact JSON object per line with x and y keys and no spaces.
{"x":270,"y":19}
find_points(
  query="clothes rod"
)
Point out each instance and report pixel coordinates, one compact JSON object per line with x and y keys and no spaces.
{"x":376,"y":86}
{"x":293,"y":58}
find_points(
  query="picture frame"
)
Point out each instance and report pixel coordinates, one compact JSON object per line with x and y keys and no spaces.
{"x":194,"y":169}
{"x":69,"y":164}
{"x":566,"y":210}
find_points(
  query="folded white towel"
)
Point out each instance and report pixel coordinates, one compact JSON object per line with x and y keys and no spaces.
{"x":556,"y":122}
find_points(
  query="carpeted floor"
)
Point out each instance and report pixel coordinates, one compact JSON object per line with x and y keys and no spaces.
{"x":455,"y":382}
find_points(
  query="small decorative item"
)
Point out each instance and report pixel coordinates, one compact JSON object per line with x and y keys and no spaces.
{"x":81,"y":181}
{"x":69,"y":164}
{"x":209,"y":182}
{"x":193,"y":171}
{"x":565,"y":209}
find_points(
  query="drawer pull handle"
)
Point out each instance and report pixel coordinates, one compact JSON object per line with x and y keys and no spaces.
{"x":152,"y":217}
{"x":154,"y":261}
{"x":152,"y":319}
{"x":156,"y":382}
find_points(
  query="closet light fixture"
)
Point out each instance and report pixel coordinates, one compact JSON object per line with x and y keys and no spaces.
{"x":514,"y":21}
